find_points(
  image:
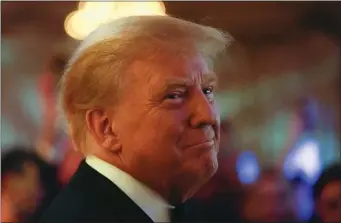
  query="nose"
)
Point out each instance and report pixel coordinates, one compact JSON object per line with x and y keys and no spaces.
{"x":204,"y":112}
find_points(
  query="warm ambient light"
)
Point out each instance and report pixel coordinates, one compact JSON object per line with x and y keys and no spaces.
{"x":80,"y":23}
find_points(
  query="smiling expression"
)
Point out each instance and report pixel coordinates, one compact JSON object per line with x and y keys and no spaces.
{"x":167,"y":122}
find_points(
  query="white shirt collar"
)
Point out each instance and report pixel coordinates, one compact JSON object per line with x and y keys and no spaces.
{"x":148,"y":200}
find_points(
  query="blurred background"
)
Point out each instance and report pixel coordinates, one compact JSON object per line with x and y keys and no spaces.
{"x":280,"y":104}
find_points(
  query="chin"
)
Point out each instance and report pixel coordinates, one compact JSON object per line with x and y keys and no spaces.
{"x":202,"y":177}
{"x":205,"y":168}
{"x":198,"y":172}
{"x":210,"y":163}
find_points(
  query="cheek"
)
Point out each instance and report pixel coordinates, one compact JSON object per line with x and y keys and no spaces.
{"x":154,"y":133}
{"x":165,"y":133}
{"x":161,"y":125}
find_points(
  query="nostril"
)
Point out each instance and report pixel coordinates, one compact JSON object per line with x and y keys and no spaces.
{"x":202,"y":125}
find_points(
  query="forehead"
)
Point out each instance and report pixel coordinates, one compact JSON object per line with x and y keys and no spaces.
{"x":331,"y":190}
{"x":167,"y":68}
{"x":30,"y":169}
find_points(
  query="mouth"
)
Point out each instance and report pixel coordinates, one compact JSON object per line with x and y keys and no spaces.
{"x":207,"y":144}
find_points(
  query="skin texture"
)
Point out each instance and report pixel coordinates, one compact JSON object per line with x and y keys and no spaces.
{"x":165,"y":129}
{"x":329,"y":202}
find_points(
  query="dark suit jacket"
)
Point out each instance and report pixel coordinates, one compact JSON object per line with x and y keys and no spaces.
{"x":91,"y":197}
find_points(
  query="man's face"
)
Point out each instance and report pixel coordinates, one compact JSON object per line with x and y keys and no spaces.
{"x":26,"y":188}
{"x":329,"y":203}
{"x":168,"y":123}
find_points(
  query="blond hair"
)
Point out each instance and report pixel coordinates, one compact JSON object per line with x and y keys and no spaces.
{"x":95,"y":72}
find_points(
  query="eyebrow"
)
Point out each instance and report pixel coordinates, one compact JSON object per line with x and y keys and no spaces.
{"x":173,"y":83}
{"x":210,"y":77}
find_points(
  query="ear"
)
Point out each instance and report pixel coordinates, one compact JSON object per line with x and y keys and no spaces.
{"x":99,"y":125}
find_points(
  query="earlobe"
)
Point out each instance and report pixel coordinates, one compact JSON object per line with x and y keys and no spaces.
{"x":107,"y":143}
{"x":116,"y":145}
{"x":111,"y":143}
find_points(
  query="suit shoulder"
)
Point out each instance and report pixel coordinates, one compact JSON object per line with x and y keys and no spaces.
{"x":68,"y":206}
{"x":76,"y":204}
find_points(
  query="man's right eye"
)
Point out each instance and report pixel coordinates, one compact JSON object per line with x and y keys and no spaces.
{"x":174,"y":96}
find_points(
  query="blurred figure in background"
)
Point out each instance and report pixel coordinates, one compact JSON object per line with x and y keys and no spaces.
{"x":50,"y":186}
{"x":20,"y":185}
{"x":69,"y":164}
{"x":54,"y":145}
{"x":268,"y":199}
{"x":327,"y":195}
{"x":24,"y":172}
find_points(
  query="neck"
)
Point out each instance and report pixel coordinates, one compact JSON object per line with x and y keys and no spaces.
{"x":153,"y":182}
{"x":8,"y":211}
